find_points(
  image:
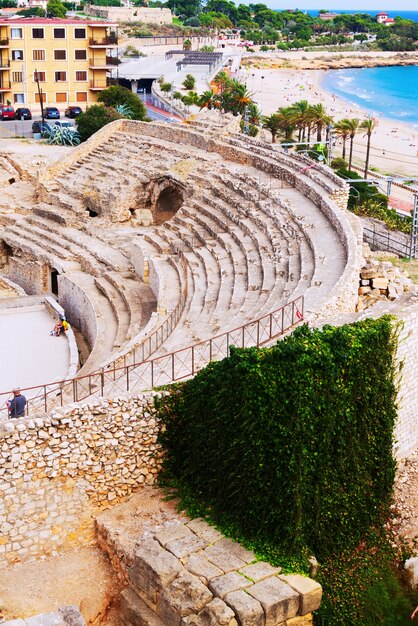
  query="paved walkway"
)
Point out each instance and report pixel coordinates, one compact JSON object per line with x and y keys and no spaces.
{"x":29,"y":355}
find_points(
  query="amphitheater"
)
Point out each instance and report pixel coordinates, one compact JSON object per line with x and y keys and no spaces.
{"x":165,"y":245}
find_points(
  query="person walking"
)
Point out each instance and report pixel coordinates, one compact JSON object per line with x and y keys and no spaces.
{"x":17,"y":404}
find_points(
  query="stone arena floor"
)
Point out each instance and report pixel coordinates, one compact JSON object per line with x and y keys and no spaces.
{"x":29,"y":355}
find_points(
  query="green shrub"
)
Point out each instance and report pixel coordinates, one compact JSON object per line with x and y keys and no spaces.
{"x":117,"y":95}
{"x":292,"y":445}
{"x":94,"y":119}
{"x":189,"y":82}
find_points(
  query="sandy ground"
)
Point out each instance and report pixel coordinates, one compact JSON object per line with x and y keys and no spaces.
{"x":394,"y":145}
{"x":84,"y":577}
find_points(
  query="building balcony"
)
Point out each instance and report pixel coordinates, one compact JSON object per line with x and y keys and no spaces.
{"x":98,"y":85}
{"x":99,"y":64}
{"x":4,"y":43}
{"x":4,"y":65}
{"x":5,"y":85}
{"x":103,"y":42}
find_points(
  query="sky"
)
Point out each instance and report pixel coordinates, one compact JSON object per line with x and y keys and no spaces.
{"x":349,"y":5}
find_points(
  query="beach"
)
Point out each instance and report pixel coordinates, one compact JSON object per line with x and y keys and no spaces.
{"x":394,"y":144}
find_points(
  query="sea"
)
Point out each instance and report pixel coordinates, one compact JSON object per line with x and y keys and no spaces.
{"x":391,"y":92}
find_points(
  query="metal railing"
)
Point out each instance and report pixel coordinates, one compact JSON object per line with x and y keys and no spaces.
{"x":161,"y":370}
{"x":111,"y":40}
{"x":4,"y":41}
{"x":100,"y":84}
{"x":385,"y":240}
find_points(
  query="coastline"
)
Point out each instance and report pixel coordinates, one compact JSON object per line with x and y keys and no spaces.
{"x":394,"y":143}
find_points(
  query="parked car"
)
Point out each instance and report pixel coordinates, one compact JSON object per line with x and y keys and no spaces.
{"x":65,"y":124}
{"x":41,"y":127}
{"x":23,"y":114}
{"x":7,"y":112}
{"x":73,"y":111}
{"x":52,"y":113}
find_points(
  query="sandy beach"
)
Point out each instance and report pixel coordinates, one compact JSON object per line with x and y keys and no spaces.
{"x":394,"y":145}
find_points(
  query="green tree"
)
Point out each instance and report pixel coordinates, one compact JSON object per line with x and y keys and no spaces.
{"x":368,"y":125}
{"x":118,"y":95}
{"x":273,"y":124}
{"x":189,"y":82}
{"x":187,"y":44}
{"x":342,"y":130}
{"x":94,"y":119}
{"x":55,"y":8}
{"x":353,"y":126}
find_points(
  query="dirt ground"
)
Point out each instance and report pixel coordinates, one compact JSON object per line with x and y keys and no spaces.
{"x":83,"y":577}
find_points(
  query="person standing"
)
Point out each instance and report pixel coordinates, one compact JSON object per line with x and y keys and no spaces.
{"x":17,"y":404}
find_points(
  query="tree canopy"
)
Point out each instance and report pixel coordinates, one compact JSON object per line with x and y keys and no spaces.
{"x":116,"y":95}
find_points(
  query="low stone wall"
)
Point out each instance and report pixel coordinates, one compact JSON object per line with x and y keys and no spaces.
{"x":57,"y":472}
{"x":191,"y":575}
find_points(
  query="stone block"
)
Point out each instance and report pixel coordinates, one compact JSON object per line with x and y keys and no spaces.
{"x":199,"y":566}
{"x":204,"y":530}
{"x":259,"y":571}
{"x":232,"y":581}
{"x":369,"y":273}
{"x":186,"y":595}
{"x":236,"y":549}
{"x":279,"y":601}
{"x":380,"y":283}
{"x":310,"y":592}
{"x":226,"y":561}
{"x":363,"y":290}
{"x":184,"y":546}
{"x":171,"y":533}
{"x":216,"y":613}
{"x":246,"y":608}
{"x":134,"y":612}
{"x":153,"y":569}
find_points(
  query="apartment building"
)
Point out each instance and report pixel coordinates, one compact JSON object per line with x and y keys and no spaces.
{"x":71,"y":59}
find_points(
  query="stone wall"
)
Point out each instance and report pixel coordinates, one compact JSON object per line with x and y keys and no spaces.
{"x":30,"y":274}
{"x":131,"y":14}
{"x":58,"y":471}
{"x":78,"y":308}
{"x":406,"y":432}
{"x":191,"y":575}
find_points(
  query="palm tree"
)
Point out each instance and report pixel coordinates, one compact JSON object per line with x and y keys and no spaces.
{"x":353,"y":126}
{"x":341,"y":130}
{"x":235,"y":97}
{"x":369,"y":125}
{"x":320,"y":118}
{"x":286,"y":122}
{"x":207,"y":100}
{"x":273,"y":123}
{"x":300,"y":112}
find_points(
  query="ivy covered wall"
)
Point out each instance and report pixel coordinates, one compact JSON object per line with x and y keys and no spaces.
{"x":291,"y":445}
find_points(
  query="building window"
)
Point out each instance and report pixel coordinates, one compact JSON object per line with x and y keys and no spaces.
{"x":38,"y":55}
{"x":60,"y":77}
{"x":61,"y":97}
{"x":60,"y":55}
{"x":19,"y":98}
{"x":59,"y":33}
{"x":16,"y":33}
{"x":39,"y":77}
{"x":17,"y":55}
{"x":79,"y":33}
{"x":17,"y":77}
{"x":37,"y":99}
{"x":81,"y":96}
{"x":81,"y":55}
{"x":81,"y":75}
{"x":37,"y":33}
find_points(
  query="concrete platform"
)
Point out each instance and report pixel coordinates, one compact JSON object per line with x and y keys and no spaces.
{"x":30,"y":356}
